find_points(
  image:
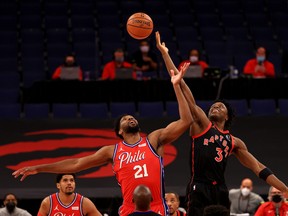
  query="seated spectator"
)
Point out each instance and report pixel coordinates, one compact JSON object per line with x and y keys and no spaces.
{"x":145,"y":60}
{"x":173,"y":203}
{"x":194,"y":59}
{"x":259,"y":67}
{"x":10,"y":207}
{"x":243,"y":200}
{"x":69,"y":62}
{"x":275,"y":206}
{"x":142,"y":198}
{"x":109,"y":70}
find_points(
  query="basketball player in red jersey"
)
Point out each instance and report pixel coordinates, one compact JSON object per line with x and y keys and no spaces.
{"x":66,"y":201}
{"x":212,"y":143}
{"x":136,"y":160}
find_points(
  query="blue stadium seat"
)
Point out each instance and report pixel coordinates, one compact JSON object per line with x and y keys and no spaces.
{"x":204,"y":104}
{"x":172,"y":109}
{"x":10,"y":111}
{"x":151,"y":109}
{"x":118,"y":108}
{"x":240,"y":106}
{"x":65,"y":110}
{"x":36,"y":111}
{"x":9,"y":96}
{"x":82,"y":21}
{"x":9,"y":80}
{"x":262,"y":107}
{"x":56,"y":21}
{"x":283,"y":106}
{"x":57,"y":35}
{"x":99,"y":110}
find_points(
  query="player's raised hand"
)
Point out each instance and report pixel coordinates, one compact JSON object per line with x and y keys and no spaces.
{"x":161,"y":46}
{"x":24,"y":172}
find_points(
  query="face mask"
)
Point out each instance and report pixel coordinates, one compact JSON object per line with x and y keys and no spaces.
{"x":260,"y":58}
{"x":144,"y":48}
{"x":277,"y":198}
{"x":193,"y":59}
{"x":10,"y":206}
{"x":245,"y":191}
{"x":119,"y":59}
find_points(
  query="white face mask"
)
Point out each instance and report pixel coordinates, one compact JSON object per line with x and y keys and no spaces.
{"x":245,"y":191}
{"x":193,"y":59}
{"x":144,"y":48}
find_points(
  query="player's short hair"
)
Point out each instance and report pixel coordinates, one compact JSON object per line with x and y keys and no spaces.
{"x":117,"y":125}
{"x":59,"y":176}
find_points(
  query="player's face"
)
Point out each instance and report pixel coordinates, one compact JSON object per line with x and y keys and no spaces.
{"x":172,"y":202}
{"x":218,"y":110}
{"x":129,"y":124}
{"x":66,"y":184}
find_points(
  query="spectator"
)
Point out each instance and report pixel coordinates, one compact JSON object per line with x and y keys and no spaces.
{"x":259,"y":67}
{"x":10,"y":207}
{"x":68,"y":63}
{"x":275,"y":206}
{"x":145,"y":60}
{"x":173,"y":202}
{"x":142,"y":198}
{"x":216,"y":210}
{"x":243,"y":200}
{"x":109,"y":70}
{"x":66,"y":201}
{"x":194,"y":59}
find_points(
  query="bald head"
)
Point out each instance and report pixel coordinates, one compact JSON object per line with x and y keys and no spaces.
{"x":247,"y":183}
{"x":142,"y":198}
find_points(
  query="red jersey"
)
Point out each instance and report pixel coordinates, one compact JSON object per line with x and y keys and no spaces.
{"x":139,"y":164}
{"x":58,"y":208}
{"x":268,"y":209}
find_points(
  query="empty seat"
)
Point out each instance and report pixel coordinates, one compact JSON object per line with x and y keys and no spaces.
{"x":150,"y":109}
{"x":65,"y":110}
{"x":283,"y":106}
{"x":9,"y":96}
{"x":35,"y":111}
{"x":82,"y":21}
{"x":99,"y":110}
{"x":9,"y":80}
{"x":172,"y":109}
{"x":10,"y":111}
{"x":118,"y":108}
{"x":263,"y":107}
{"x":240,"y":106}
{"x":204,"y":104}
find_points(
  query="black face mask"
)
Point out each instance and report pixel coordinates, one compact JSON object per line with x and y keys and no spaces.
{"x":10,"y":206}
{"x":277,"y":198}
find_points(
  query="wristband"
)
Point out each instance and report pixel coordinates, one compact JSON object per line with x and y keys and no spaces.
{"x":264,"y":173}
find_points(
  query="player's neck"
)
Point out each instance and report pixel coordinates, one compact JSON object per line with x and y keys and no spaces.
{"x":132,"y":138}
{"x":66,"y":199}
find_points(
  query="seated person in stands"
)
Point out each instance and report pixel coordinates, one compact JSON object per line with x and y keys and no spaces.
{"x":110,"y":68}
{"x":69,"y":62}
{"x":194,"y":59}
{"x":145,"y":60}
{"x":259,"y":67}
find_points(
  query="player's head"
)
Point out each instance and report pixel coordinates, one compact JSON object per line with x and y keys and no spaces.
{"x":216,"y":210}
{"x":172,"y":201}
{"x":221,"y":110}
{"x":126,"y":124}
{"x":142,"y":198}
{"x":65,"y":182}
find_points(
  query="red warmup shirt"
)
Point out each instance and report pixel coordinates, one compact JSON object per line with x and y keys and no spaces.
{"x":139,"y":164}
{"x":110,"y":69}
{"x":268,"y":209}
{"x":203,"y":64}
{"x":249,"y":69}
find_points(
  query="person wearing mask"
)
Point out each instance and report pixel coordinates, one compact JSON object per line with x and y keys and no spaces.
{"x":194,"y":60}
{"x":66,"y":201}
{"x":109,"y":70}
{"x":142,"y":198}
{"x":259,"y":67}
{"x":10,"y":207}
{"x":145,"y":61}
{"x":173,"y":203}
{"x":276,"y":206}
{"x":69,"y":62}
{"x":243,"y":200}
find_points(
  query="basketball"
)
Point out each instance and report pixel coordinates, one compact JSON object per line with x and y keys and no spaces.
{"x":139,"y":25}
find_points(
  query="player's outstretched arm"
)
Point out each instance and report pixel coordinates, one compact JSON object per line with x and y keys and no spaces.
{"x":248,"y":160}
{"x":102,"y":156}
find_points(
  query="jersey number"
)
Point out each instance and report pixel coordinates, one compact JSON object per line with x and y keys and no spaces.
{"x":141,"y":171}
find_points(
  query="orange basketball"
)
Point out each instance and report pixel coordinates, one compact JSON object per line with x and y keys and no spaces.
{"x":139,"y":25}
